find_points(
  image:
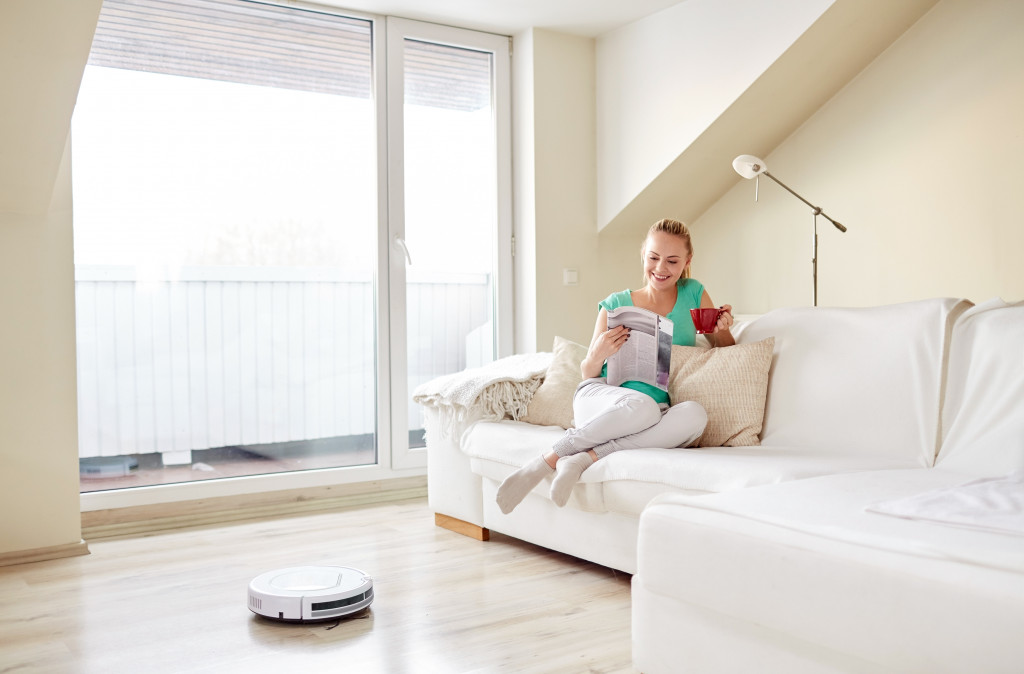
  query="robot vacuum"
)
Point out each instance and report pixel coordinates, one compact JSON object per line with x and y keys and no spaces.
{"x":310,"y":593}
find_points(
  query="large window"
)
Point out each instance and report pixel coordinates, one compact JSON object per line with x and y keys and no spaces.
{"x":277,"y":239}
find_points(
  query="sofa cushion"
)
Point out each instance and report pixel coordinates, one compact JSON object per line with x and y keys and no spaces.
{"x":805,"y":560}
{"x":627,"y":480}
{"x":983,"y":411}
{"x":551,"y":404}
{"x":632,"y":477}
{"x":856,"y":380}
{"x":730,"y":382}
{"x":497,"y":448}
{"x":839,"y":508}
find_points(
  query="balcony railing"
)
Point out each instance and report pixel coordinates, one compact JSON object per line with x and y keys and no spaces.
{"x":225,"y":356}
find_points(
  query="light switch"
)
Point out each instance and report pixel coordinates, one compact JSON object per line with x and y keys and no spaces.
{"x":570,"y":277}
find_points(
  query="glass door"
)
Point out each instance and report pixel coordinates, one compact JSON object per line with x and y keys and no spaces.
{"x":225,"y":224}
{"x":451,"y":230}
{"x":278,"y":238}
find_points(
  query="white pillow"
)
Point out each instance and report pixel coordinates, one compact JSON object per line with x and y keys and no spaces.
{"x":983,"y":410}
{"x":860,"y":381}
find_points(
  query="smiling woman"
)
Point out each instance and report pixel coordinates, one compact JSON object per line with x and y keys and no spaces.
{"x":628,"y":414}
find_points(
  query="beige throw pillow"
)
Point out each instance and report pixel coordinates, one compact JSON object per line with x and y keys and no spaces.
{"x":731,"y":382}
{"x":551,"y":405}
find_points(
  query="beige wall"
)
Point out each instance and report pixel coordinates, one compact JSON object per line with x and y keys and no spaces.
{"x":918,"y":156}
{"x":555,"y":189}
{"x":38,"y":418}
{"x":44,"y":48}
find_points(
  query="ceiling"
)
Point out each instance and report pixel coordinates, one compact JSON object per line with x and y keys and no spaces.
{"x":507,"y":17}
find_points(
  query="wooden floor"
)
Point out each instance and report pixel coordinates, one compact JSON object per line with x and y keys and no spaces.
{"x":176,"y":602}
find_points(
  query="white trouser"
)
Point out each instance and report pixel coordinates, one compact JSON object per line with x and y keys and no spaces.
{"x":610,"y":418}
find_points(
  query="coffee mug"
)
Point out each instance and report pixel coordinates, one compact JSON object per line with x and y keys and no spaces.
{"x":705,"y":319}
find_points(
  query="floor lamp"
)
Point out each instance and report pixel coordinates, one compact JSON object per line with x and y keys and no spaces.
{"x":749,"y":167}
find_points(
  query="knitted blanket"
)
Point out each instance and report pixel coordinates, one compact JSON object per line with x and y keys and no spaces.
{"x":492,"y":391}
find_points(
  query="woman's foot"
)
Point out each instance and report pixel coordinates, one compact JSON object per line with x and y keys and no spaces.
{"x":567,"y":473}
{"x":517,"y":485}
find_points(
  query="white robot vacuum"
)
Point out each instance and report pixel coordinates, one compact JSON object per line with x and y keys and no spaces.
{"x":310,"y":593}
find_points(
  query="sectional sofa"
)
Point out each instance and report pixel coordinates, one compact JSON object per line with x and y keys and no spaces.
{"x":806,"y":532}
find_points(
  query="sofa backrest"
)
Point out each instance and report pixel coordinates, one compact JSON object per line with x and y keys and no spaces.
{"x":983,"y":410}
{"x":857,"y":380}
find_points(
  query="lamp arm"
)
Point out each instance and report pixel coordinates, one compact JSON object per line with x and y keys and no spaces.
{"x":817,"y":210}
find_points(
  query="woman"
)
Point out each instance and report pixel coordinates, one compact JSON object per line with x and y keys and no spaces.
{"x":635,"y":414}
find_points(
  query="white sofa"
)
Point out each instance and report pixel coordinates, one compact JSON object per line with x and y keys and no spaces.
{"x":763,"y":558}
{"x":807,"y":576}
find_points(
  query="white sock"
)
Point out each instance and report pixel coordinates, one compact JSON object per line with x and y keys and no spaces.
{"x":567,"y":474}
{"x":517,"y":485}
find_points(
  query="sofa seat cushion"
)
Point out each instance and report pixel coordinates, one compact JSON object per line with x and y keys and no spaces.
{"x":497,"y":448}
{"x":835,"y":507}
{"x":626,"y":481}
{"x":633,"y":477}
{"x":806,"y":560}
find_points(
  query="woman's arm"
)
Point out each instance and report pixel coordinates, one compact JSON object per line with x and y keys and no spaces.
{"x":603,"y":344}
{"x":721,"y":335}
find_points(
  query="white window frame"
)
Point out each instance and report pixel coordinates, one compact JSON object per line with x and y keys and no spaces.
{"x":402,"y":456}
{"x":394,"y":460}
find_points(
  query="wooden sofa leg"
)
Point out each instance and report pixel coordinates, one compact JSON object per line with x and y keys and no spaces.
{"x":461,"y":527}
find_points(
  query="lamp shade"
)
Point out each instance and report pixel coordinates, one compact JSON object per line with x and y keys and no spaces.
{"x":748,"y":166}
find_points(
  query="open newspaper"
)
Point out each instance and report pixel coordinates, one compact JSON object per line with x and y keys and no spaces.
{"x":647,"y":353}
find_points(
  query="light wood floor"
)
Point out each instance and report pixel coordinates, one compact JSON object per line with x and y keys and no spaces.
{"x":176,"y":602}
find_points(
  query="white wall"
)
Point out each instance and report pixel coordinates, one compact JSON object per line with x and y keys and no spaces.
{"x":555,"y":188}
{"x":664,"y":79}
{"x":919,"y":156}
{"x":44,"y":48}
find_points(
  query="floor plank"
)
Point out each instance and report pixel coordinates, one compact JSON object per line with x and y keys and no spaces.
{"x":176,"y":602}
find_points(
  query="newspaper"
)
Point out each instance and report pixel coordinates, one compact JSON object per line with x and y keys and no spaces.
{"x":646,"y":355}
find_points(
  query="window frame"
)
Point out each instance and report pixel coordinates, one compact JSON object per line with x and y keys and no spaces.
{"x":398,"y":30}
{"x":389,"y":280}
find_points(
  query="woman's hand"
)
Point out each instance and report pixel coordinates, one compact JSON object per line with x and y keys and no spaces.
{"x":725,"y":319}
{"x":608,"y":343}
{"x":603,"y":344}
{"x":720,"y":336}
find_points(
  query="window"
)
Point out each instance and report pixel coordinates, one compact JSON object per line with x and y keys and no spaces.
{"x":258,"y":208}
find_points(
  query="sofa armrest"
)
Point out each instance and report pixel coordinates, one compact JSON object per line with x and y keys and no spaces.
{"x":452,"y":487}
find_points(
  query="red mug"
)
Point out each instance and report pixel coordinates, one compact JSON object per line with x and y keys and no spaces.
{"x":705,"y":319}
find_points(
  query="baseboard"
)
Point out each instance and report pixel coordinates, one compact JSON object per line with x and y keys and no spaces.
{"x":137,"y":520}
{"x":43,"y":554}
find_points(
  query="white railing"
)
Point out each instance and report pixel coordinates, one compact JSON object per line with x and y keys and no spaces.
{"x":229,"y":356}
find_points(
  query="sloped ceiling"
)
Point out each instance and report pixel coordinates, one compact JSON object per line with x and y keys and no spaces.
{"x":841,"y":43}
{"x":44,"y":45}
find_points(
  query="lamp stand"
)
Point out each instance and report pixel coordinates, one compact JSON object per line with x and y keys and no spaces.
{"x":749,"y":166}
{"x":814,"y":257}
{"x":816,"y":210}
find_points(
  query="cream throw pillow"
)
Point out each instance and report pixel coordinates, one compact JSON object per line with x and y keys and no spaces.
{"x":551,"y":405}
{"x":731,"y":382}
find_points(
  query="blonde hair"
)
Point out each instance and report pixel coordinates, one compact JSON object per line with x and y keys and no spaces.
{"x":675,"y":228}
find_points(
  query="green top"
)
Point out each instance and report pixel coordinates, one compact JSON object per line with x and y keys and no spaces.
{"x":688,"y":296}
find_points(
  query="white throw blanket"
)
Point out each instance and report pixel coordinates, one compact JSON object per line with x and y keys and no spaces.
{"x":990,"y":504}
{"x":491,"y":391}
